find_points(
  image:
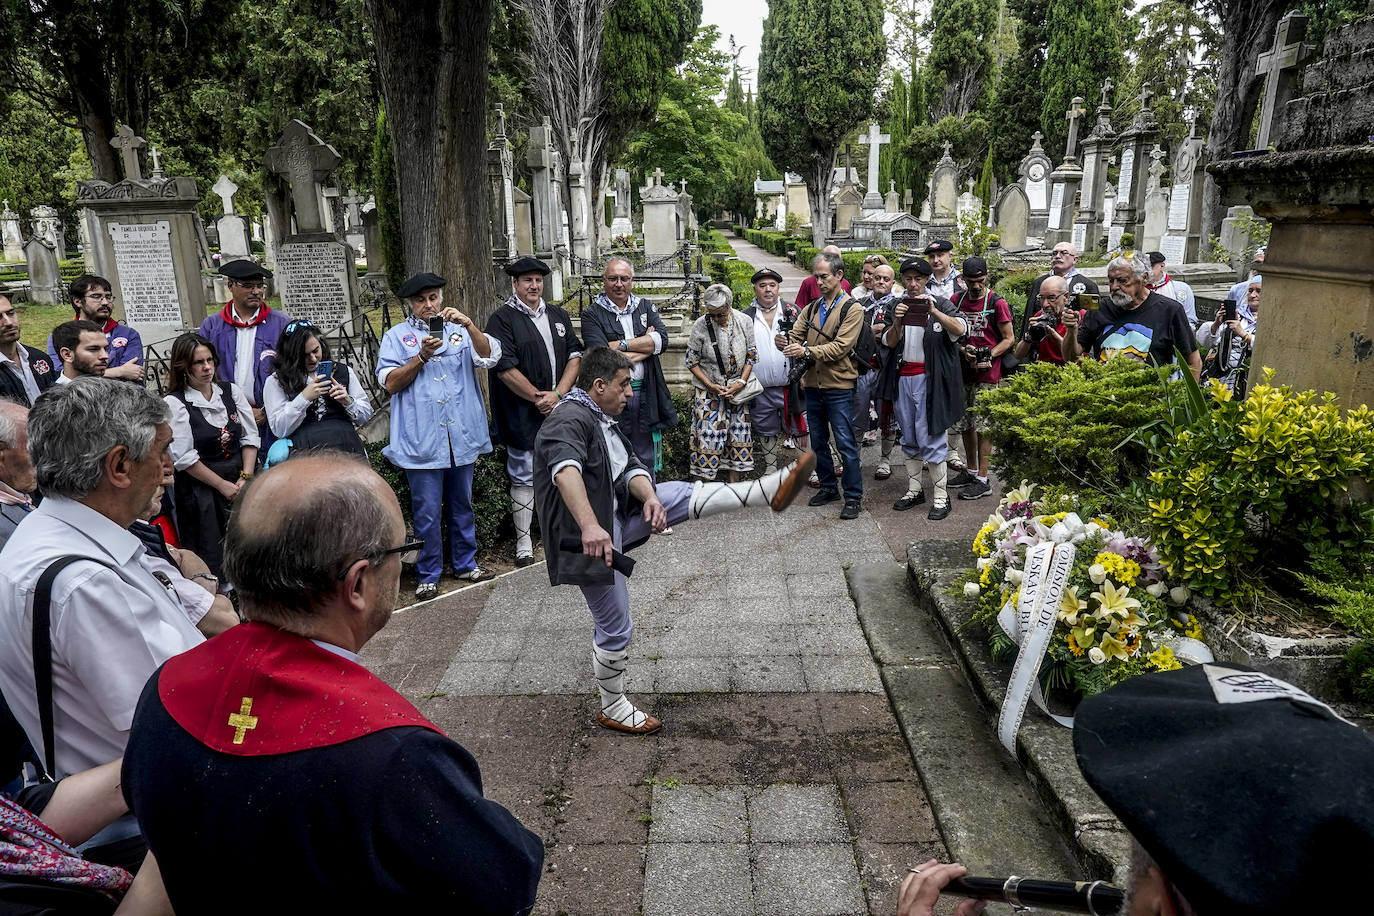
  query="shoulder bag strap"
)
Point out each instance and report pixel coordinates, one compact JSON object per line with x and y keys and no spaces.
{"x":844,"y":313}
{"x":715,"y":345}
{"x":42,"y":654}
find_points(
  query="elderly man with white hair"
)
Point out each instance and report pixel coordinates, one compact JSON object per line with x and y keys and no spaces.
{"x":1132,"y":321}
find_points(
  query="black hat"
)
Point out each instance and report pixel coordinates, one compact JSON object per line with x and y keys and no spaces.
{"x":1253,"y":797}
{"x":939,"y":245}
{"x":527,"y":265}
{"x":420,"y":282}
{"x":244,"y":269}
{"x":765,"y":273}
{"x":975,"y":267}
{"x":920,"y":265}
{"x":1156,"y":257}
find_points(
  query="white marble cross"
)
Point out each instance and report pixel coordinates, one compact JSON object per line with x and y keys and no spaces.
{"x":128,"y":143}
{"x":874,"y":140}
{"x":226,"y":189}
{"x":658,"y":176}
{"x":1280,"y":66}
{"x":157,"y":162}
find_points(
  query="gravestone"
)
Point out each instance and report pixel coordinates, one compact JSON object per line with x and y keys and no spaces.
{"x":1013,"y":217}
{"x":374,"y":287}
{"x":848,"y":208}
{"x":1136,"y":141}
{"x":500,"y":184}
{"x":1089,"y":227}
{"x":907,"y":198}
{"x":579,"y":219}
{"x":944,"y":188}
{"x":1065,"y":182}
{"x":768,"y":196}
{"x":1156,"y":203}
{"x":11,"y":234}
{"x":1034,"y":177}
{"x":47,"y":224}
{"x":890,"y":202}
{"x":1182,"y":241}
{"x":660,"y":217}
{"x":544,"y":212}
{"x":232,"y":228}
{"x":1108,"y":212}
{"x":315,"y":273}
{"x":874,"y":140}
{"x":353,"y":222}
{"x":147,"y":238}
{"x":1280,"y":66}
{"x":620,"y":221}
{"x":685,"y":214}
{"x":969,"y":204}
{"x":45,"y":280}
{"x":1237,"y":230}
{"x":798,"y":199}
{"x":524,"y":222}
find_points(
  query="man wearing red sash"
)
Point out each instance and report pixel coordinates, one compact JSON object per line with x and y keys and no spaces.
{"x":270,"y":751}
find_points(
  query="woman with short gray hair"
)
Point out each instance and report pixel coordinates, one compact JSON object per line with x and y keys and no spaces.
{"x":721,"y":356}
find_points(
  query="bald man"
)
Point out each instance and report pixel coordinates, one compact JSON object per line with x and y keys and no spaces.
{"x":311,"y":774}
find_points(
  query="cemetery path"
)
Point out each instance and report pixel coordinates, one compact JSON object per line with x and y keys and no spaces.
{"x":781,"y":781}
{"x":753,"y":254}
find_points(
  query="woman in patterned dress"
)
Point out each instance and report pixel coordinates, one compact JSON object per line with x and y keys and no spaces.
{"x":721,"y":357}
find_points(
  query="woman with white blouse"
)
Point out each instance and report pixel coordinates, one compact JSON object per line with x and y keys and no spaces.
{"x":315,"y":409}
{"x":214,"y":446}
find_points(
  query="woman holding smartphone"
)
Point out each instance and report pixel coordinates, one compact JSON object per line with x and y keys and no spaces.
{"x":310,"y":399}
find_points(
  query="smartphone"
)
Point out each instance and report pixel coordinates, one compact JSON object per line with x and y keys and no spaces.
{"x":917,"y":311}
{"x":1229,"y":307}
{"x":324,"y":368}
{"x":1087,"y":301}
{"x":436,"y":326}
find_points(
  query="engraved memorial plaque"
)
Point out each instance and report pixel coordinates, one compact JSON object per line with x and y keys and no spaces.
{"x":1178,"y":206}
{"x":313,"y":280}
{"x":147,"y":277}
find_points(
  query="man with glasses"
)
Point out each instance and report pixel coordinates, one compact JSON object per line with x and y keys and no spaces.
{"x":310,"y":773}
{"x":93,"y":301}
{"x":1044,"y":338}
{"x":25,"y":372}
{"x":1063,"y":257}
{"x":631,"y":324}
{"x":245,"y":334}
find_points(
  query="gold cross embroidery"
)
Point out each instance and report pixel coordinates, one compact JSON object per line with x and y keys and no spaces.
{"x":241,"y":721}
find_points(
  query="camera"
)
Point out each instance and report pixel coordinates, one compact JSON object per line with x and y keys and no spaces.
{"x":1039,"y":327}
{"x":982,"y":358}
{"x":800,"y":366}
{"x":786,"y":323}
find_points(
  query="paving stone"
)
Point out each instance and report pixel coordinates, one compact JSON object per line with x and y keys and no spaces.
{"x":687,"y":674}
{"x":547,"y":675}
{"x":798,"y":813}
{"x":698,"y":814}
{"x":606,"y":758}
{"x":742,"y":715}
{"x":810,"y":585}
{"x":763,"y":674}
{"x":603,"y":879}
{"x":841,"y":674}
{"x":891,"y":812}
{"x":602,"y":814}
{"x":698,"y":879}
{"x":831,"y":640}
{"x":469,"y":678}
{"x":807,"y":879}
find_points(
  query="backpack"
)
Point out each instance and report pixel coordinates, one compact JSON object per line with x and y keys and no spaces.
{"x":865,"y":351}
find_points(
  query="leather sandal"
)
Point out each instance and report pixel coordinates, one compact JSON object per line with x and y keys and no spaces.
{"x":791,"y":485}
{"x":651,"y":725}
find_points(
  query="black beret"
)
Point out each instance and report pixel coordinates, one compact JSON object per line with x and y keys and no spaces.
{"x":420,"y":282}
{"x":1254,"y":798}
{"x":527,"y":265}
{"x":244,"y":269}
{"x":765,"y":273}
{"x":975,"y":267}
{"x":1157,"y":257}
{"x":920,"y":265}
{"x":939,"y":245}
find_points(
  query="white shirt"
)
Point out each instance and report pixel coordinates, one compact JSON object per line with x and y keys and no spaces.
{"x":283,"y":416}
{"x":1181,"y":293}
{"x":945,"y":287}
{"x":184,"y":452}
{"x":771,"y":366}
{"x":914,"y":342}
{"x":620,"y":459}
{"x":111,"y":629}
{"x":627,"y":327}
{"x":245,"y":342}
{"x":25,"y":372}
{"x":195,"y":601}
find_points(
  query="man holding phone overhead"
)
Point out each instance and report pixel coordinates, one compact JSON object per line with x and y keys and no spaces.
{"x":428,"y":363}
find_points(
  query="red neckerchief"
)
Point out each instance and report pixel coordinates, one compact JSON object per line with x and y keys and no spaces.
{"x":1159,"y":285}
{"x":256,"y":690}
{"x":110,"y":323}
{"x":228,"y":314}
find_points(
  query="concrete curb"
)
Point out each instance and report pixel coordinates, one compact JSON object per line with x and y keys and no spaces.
{"x":1098,"y":841}
{"x":987,"y":812}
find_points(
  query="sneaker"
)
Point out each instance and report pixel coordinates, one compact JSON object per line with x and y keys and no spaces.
{"x":976,"y":490}
{"x":884,"y":471}
{"x":962,"y":479}
{"x":823,"y":497}
{"x":938,"y":512}
{"x":908,"y":501}
{"x":851,"y":509}
{"x":476,"y":574}
{"x":426,"y":590}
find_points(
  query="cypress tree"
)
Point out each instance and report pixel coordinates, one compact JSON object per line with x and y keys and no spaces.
{"x":388,"y":204}
{"x":1084,"y":49}
{"x":1017,"y":102}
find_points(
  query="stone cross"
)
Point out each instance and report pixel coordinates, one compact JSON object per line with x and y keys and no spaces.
{"x":1156,"y":156}
{"x":1076,"y":111}
{"x":658,"y":176}
{"x":226,"y":189}
{"x":157,"y":162}
{"x":353,"y":201}
{"x":946,"y":146}
{"x":128,"y":143}
{"x":874,"y":140}
{"x":1107,"y":87}
{"x":1280,"y":65}
{"x":683,"y":183}
{"x":303,"y":159}
{"x":1146,"y":94}
{"x":500,"y":120}
{"x":1035,"y":140}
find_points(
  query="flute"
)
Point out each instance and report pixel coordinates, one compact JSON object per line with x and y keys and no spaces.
{"x":1095,"y":897}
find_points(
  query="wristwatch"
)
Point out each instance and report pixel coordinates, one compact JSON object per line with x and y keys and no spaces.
{"x":624,"y":346}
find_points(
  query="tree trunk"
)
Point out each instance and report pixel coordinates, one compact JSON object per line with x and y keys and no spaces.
{"x":819,"y":180}
{"x":96,"y":121}
{"x":432,"y":65}
{"x":1248,"y":29}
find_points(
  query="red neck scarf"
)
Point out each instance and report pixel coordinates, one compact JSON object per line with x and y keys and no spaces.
{"x":1163,"y":280}
{"x":230,"y":316}
{"x":110,"y":323}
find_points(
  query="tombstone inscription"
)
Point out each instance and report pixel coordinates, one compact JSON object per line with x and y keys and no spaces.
{"x":148,"y":282}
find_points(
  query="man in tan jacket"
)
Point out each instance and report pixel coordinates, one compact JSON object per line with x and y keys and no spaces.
{"x":825,"y":334}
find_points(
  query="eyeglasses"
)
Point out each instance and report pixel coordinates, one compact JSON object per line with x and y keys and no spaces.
{"x":1062,"y":251}
{"x":408,"y":551}
{"x":1050,"y":297}
{"x":619,"y":279}
{"x":299,"y":323}
{"x":251,"y":284}
{"x":101,"y":297}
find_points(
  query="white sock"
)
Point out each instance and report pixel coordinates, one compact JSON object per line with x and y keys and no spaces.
{"x":888,"y":443}
{"x":913,"y":476}
{"x":939,"y":474}
{"x":710,"y":497}
{"x":768,"y":449}
{"x":522,"y":510}
{"x":608,"y":666}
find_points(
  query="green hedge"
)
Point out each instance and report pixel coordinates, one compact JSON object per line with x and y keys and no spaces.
{"x":772,"y":241}
{"x":735,"y":274}
{"x":490,"y":494}
{"x":853,"y":261}
{"x":713,"y":240}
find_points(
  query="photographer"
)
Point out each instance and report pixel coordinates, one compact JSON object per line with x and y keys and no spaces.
{"x":1044,"y":338}
{"x":1231,"y":337}
{"x":989,"y":336}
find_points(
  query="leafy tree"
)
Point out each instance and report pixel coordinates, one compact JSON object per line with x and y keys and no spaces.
{"x":959,"y":68}
{"x":811,"y":87}
{"x":34,"y":151}
{"x":1175,"y":55}
{"x":750,"y":160}
{"x":388,"y":204}
{"x":1016,"y":102}
{"x":893,"y":164}
{"x":1084,"y":50}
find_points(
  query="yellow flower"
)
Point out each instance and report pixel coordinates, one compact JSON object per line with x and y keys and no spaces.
{"x":1118,"y":567}
{"x":1115,"y":648}
{"x":1070,"y":606}
{"x":1074,"y":647}
{"x":1162,"y":659}
{"x":982,"y":545}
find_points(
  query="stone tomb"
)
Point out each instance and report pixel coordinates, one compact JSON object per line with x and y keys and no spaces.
{"x":11,"y":234}
{"x":1013,"y":217}
{"x":45,"y":280}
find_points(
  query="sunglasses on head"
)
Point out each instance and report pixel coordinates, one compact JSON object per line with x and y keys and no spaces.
{"x":299,"y":323}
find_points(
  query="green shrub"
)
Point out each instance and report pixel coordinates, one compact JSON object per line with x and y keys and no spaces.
{"x":490,"y":494}
{"x":1260,"y":486}
{"x":735,"y":274}
{"x":713,"y":240}
{"x":1073,"y":424}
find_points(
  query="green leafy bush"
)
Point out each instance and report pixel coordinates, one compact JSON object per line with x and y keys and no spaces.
{"x":714,"y":241}
{"x":490,"y":494}
{"x":1260,"y":486}
{"x":735,"y":274}
{"x":1073,"y":424}
{"x":853,"y":261}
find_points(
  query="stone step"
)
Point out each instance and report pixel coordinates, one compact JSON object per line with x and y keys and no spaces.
{"x":988,"y":813}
